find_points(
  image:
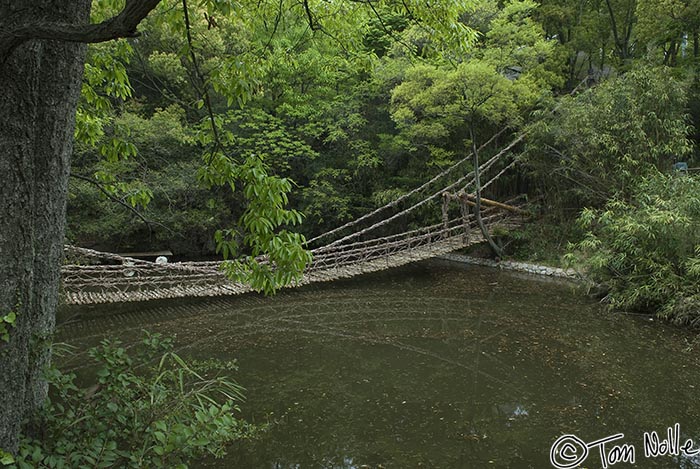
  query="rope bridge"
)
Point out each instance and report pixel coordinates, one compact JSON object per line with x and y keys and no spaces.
{"x":87,"y":280}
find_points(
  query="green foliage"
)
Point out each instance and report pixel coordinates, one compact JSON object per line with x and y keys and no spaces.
{"x":105,"y":81}
{"x":324,"y":198}
{"x":6,"y":458}
{"x":516,"y":45}
{"x":510,"y":69}
{"x":285,"y":257}
{"x":544,"y":241}
{"x":662,"y":25}
{"x":646,"y":250}
{"x":167,"y":414}
{"x":356,"y":104}
{"x":311,"y":100}
{"x":255,"y":132}
{"x":441,"y":23}
{"x":602,"y":141}
{"x":7,"y":322}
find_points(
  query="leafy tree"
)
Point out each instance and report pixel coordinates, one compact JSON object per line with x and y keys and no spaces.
{"x":505,"y":76}
{"x":669,"y":28}
{"x":42,"y":56}
{"x":621,"y":14}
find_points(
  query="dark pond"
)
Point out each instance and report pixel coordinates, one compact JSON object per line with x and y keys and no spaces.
{"x":436,"y":365}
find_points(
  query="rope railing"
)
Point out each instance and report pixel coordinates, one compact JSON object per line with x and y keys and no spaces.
{"x":335,"y":248}
{"x":452,"y":228}
{"x":521,"y":136}
{"x":146,"y":281}
{"x":330,"y":249}
{"x":139,"y":266}
{"x":400,"y":199}
{"x":484,"y":167}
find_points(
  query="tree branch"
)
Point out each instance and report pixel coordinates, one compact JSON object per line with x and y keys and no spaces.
{"x":477,"y":196}
{"x":117,"y":200}
{"x":204,"y":90}
{"x":122,"y":25}
{"x":312,"y":24}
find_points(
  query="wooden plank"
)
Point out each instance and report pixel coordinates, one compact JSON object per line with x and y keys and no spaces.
{"x":145,"y":254}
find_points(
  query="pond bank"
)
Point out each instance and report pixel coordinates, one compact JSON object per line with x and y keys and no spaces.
{"x":515,"y":266}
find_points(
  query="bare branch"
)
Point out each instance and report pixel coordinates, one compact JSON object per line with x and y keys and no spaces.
{"x":120,"y":202}
{"x":122,"y":25}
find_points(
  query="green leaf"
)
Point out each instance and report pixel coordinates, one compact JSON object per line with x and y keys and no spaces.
{"x":6,"y":458}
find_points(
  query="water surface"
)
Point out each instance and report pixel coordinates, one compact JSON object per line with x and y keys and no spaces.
{"x":435,"y":365}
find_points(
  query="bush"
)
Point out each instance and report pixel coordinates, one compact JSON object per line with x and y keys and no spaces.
{"x":646,"y":251}
{"x":164,"y":416}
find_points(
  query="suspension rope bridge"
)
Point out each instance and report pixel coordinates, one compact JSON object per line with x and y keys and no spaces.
{"x":87,"y":280}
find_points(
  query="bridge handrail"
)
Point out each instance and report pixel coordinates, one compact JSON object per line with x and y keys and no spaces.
{"x":433,"y":196}
{"x":390,"y":248}
{"x":84,"y":276}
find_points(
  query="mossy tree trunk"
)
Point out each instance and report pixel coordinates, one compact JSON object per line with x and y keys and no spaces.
{"x":42,"y":55}
{"x":40,"y":82}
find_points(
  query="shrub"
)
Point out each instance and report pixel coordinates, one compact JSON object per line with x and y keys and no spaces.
{"x":163,"y":416}
{"x":646,"y":251}
{"x":600,"y":142}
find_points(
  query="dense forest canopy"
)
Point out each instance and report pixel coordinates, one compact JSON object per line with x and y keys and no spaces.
{"x":353,"y":105}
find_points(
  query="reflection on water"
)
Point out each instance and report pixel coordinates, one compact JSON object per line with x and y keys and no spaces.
{"x":436,"y":365}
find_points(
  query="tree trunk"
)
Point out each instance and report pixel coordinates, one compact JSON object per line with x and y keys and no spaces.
{"x":477,"y":199}
{"x":40,"y":83}
{"x":622,"y":34}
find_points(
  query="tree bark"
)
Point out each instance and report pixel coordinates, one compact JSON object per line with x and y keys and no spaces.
{"x":622,"y":36}
{"x":66,"y":28}
{"x":40,"y":83}
{"x":42,"y":57}
{"x":477,"y":199}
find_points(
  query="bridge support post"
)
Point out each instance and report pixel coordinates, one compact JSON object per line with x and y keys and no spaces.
{"x":445,"y":215}
{"x":464,"y":211}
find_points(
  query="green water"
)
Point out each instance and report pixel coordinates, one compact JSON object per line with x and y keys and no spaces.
{"x":436,"y":365}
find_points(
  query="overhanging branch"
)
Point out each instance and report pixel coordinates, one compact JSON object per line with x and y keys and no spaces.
{"x":111,"y":197}
{"x":122,"y":25}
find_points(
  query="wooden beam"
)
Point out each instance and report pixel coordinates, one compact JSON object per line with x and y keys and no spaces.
{"x":493,"y":203}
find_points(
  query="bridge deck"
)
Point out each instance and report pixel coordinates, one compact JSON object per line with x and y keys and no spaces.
{"x":126,"y":279}
{"x":215,"y":284}
{"x":134,"y":280}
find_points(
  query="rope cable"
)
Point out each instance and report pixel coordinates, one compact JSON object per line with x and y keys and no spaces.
{"x":393,"y":203}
